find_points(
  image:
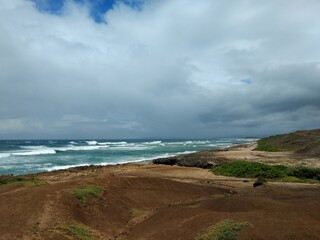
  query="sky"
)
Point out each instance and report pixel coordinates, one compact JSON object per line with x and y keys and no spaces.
{"x":158,"y":68}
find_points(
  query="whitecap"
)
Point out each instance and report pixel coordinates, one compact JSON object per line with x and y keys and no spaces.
{"x":34,"y":152}
{"x":4,"y":155}
{"x":91,"y":142}
{"x":130,"y":148}
{"x":113,"y":143}
{"x":77,"y":148}
{"x":152,"y":142}
{"x":54,"y":168}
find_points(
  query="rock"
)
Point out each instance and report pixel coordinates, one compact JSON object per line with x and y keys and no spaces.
{"x":199,"y":163}
{"x":166,"y":161}
{"x":184,"y":162}
{"x":259,"y":182}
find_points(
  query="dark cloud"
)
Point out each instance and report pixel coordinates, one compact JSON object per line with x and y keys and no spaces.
{"x":176,"y":69}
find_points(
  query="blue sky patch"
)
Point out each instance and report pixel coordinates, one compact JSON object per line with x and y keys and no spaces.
{"x":97,"y":7}
{"x":246,"y":81}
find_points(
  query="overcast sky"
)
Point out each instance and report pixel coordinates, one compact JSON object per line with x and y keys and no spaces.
{"x":158,"y":68}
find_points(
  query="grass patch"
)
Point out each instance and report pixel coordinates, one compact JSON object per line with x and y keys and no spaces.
{"x":253,"y":170}
{"x":218,"y":196}
{"x":265,"y":145}
{"x":94,"y":175}
{"x":302,"y":142}
{"x":299,"y":180}
{"x":79,"y":231}
{"x":4,"y":181}
{"x":225,"y":230}
{"x":86,"y":192}
{"x":135,"y":212}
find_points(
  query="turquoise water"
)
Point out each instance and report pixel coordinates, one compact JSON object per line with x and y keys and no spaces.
{"x":32,"y":156}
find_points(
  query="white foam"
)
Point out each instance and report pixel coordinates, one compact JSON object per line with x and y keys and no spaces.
{"x":152,"y":142}
{"x":4,"y":155}
{"x":78,"y":148}
{"x":91,"y":142}
{"x":185,"y":152}
{"x":49,"y":169}
{"x":112,"y":143}
{"x":175,"y":143}
{"x":34,"y":152}
{"x":130,"y":148}
{"x":196,"y":142}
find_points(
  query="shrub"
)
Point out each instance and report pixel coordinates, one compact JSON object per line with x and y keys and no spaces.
{"x":306,"y":173}
{"x":21,"y":181}
{"x":225,"y":230}
{"x":76,"y":230}
{"x":79,"y":231}
{"x":251,"y":170}
{"x":254,"y":169}
{"x":88,"y":191}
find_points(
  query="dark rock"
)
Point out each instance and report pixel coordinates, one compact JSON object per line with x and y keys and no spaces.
{"x":166,"y":161}
{"x":199,"y":163}
{"x":259,"y":182}
{"x":184,"y":162}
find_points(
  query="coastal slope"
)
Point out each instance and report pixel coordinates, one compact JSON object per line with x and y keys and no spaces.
{"x":155,"y":202}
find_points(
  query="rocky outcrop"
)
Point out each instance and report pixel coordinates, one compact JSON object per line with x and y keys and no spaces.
{"x":200,"y":160}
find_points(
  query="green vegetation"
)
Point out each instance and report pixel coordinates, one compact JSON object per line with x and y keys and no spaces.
{"x":251,"y":170}
{"x":254,"y":170}
{"x":306,"y":142}
{"x":84,"y":193}
{"x":218,"y":196}
{"x":21,"y":181}
{"x":225,"y":230}
{"x":135,"y":212}
{"x":306,"y":173}
{"x":93,"y":175}
{"x":265,"y":144}
{"x":79,"y":231}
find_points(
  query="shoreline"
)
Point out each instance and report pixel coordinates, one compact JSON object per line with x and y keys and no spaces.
{"x":152,"y":201}
{"x":205,"y":159}
{"x":135,"y":162}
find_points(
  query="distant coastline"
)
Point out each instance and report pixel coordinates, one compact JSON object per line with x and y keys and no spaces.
{"x":23,"y":157}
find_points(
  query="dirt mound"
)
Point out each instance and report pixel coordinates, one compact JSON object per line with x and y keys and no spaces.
{"x":302,"y":142}
{"x":153,"y":202}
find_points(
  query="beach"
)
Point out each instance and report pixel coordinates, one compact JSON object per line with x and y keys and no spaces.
{"x":151,"y":201}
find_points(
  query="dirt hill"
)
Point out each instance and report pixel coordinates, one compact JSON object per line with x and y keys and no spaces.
{"x":153,"y":202}
{"x":302,"y":142}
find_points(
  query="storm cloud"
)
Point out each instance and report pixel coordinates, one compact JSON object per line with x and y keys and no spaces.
{"x":168,"y":69}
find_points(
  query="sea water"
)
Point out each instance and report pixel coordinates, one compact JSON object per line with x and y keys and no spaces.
{"x":32,"y":156}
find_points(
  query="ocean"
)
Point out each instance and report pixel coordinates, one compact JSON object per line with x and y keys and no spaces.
{"x":31,"y":156}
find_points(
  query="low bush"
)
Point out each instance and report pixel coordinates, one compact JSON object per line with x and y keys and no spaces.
{"x":306,"y":173}
{"x":84,"y":193}
{"x":76,"y":230}
{"x":225,"y":230}
{"x":253,"y":169}
{"x":21,"y":181}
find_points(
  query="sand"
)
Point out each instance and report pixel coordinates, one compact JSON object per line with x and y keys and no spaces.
{"x":162,"y":202}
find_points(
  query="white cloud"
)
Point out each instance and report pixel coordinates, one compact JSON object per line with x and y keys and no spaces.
{"x":172,"y":69}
